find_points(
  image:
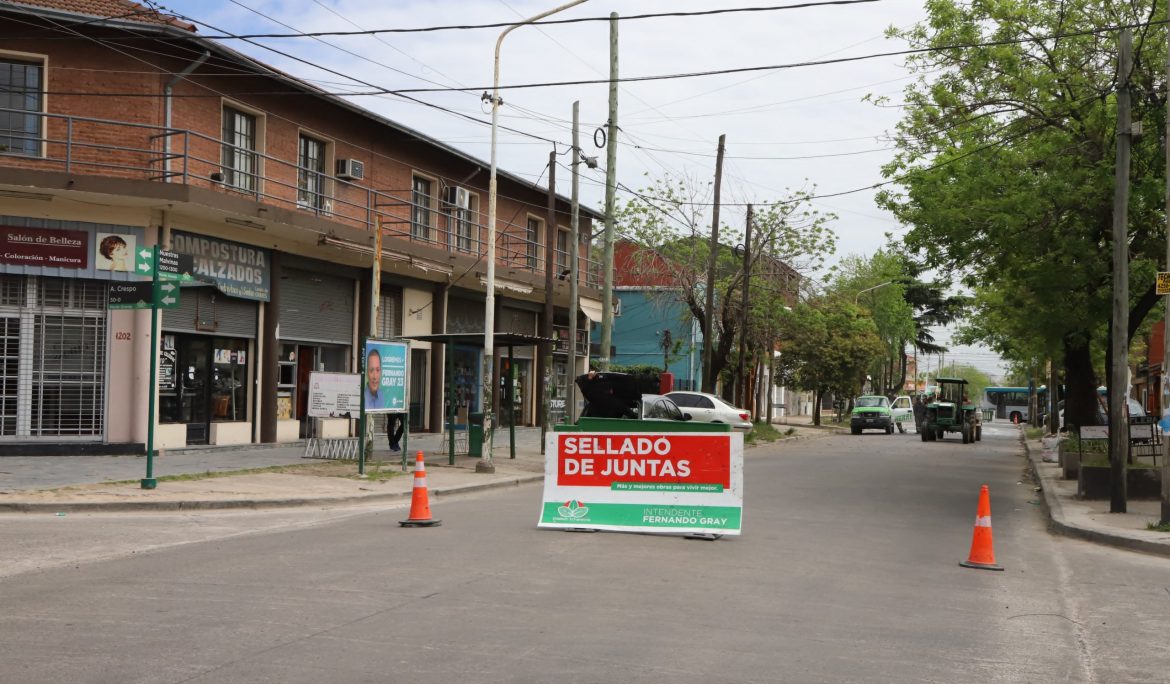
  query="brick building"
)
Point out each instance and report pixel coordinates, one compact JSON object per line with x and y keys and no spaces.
{"x":121,"y":129}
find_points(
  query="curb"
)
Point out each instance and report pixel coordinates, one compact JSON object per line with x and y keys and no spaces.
{"x":1057,"y":524}
{"x":207,"y":505}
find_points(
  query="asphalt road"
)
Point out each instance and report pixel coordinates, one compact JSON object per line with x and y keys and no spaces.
{"x":847,"y":572}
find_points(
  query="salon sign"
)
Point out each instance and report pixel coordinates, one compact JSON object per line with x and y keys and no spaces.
{"x":689,"y":483}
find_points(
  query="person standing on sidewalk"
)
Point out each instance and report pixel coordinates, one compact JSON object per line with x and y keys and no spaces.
{"x":395,"y":425}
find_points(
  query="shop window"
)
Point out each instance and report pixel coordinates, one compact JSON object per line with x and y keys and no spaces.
{"x":22,"y":96}
{"x":286,"y":382}
{"x":229,"y":380}
{"x":9,"y":372}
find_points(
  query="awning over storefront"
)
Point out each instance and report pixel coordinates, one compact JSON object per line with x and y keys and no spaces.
{"x":591,"y":308}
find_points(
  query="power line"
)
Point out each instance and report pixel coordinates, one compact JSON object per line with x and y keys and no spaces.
{"x":506,"y":24}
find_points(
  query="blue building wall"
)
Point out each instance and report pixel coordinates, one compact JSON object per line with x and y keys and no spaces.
{"x":637,"y":334}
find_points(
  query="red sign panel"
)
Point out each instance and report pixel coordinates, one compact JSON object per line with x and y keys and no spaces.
{"x":39,"y":247}
{"x":597,"y":460}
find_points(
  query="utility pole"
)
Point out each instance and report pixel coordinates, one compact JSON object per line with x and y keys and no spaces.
{"x":610,"y":192}
{"x":544,"y":374}
{"x":743,"y":314}
{"x":1118,"y":373}
{"x":574,"y":239}
{"x":1164,"y":404}
{"x":708,"y":324}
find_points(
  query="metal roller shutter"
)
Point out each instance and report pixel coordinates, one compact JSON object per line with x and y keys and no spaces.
{"x":316,"y":308}
{"x":208,"y":311}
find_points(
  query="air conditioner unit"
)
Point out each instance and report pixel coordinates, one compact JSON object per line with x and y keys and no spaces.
{"x":351,"y":169}
{"x":458,"y":198}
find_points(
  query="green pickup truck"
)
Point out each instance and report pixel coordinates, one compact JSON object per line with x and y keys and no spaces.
{"x":871,"y":413}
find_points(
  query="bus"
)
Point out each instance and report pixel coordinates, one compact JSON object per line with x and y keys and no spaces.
{"x":1009,"y":403}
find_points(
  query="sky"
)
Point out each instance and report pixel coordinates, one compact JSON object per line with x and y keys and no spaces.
{"x":806,"y":127}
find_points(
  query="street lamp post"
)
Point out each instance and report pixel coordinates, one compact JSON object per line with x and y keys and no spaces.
{"x":485,"y":464}
{"x":861,"y":292}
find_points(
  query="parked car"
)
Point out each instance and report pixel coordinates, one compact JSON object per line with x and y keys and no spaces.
{"x":708,"y":408}
{"x":871,"y":413}
{"x":658,"y":407}
{"x":903,"y":410}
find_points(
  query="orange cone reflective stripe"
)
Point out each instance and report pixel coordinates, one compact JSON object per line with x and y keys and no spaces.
{"x":420,"y":508}
{"x":982,"y":554}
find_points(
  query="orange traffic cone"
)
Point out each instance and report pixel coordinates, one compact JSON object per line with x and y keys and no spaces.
{"x":420,"y":509}
{"x":982,"y":554}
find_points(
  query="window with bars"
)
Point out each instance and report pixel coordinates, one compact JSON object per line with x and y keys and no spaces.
{"x":421,"y":215}
{"x":52,"y":357}
{"x":531,"y":242}
{"x":311,"y":173}
{"x":240,"y":162}
{"x":9,"y":372}
{"x":21,"y":88}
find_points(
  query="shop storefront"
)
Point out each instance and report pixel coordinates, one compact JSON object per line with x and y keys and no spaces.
{"x":316,"y":334}
{"x":466,"y":316}
{"x":59,"y":377}
{"x":208,"y":348}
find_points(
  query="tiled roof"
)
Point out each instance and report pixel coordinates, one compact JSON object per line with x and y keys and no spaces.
{"x":122,"y":10}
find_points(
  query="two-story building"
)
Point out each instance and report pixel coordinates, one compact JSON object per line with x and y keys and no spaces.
{"x":122,"y":129}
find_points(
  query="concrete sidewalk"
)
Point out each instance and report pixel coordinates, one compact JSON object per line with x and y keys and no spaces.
{"x":1091,"y":520}
{"x":59,"y":484}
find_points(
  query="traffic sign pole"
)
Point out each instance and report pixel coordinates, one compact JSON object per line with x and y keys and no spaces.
{"x":149,"y":482}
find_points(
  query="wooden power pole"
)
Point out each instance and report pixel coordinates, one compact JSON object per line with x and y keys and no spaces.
{"x":712,"y":259}
{"x":1119,"y":372}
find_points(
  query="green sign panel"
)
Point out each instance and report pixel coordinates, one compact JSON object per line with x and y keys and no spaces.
{"x":144,"y":295}
{"x":171,"y":266}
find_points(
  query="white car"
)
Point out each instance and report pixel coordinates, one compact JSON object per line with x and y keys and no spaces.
{"x":708,"y":408}
{"x":903,"y":410}
{"x":658,"y":407}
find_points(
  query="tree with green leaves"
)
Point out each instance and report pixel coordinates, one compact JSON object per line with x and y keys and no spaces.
{"x":669,"y":220}
{"x":825,"y":347}
{"x":1004,"y":170}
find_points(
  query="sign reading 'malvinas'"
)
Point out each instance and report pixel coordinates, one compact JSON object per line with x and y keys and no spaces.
{"x":237,"y":270}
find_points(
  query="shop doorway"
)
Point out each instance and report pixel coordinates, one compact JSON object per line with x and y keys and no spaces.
{"x":206,"y":384}
{"x":418,"y":389}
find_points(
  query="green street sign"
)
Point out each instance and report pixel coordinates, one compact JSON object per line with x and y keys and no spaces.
{"x":166,"y":295}
{"x":144,"y":295}
{"x":144,"y":261}
{"x":130,"y":296}
{"x":171,"y":265}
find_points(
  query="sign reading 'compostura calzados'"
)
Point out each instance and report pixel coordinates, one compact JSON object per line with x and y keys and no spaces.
{"x":646,"y":482}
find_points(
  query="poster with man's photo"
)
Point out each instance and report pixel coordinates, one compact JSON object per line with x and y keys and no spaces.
{"x":384,"y":373}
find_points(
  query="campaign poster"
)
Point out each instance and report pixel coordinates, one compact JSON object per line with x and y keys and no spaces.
{"x":384,"y":373}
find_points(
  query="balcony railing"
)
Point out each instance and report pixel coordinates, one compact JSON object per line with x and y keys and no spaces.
{"x":121,"y":149}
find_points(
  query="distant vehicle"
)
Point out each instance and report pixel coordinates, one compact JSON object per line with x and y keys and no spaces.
{"x":871,"y":413}
{"x":950,"y":410}
{"x":708,"y":408}
{"x":903,"y":410}
{"x":1010,"y":403}
{"x":658,"y":407}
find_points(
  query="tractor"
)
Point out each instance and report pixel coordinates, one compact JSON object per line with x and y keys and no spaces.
{"x":950,"y":410}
